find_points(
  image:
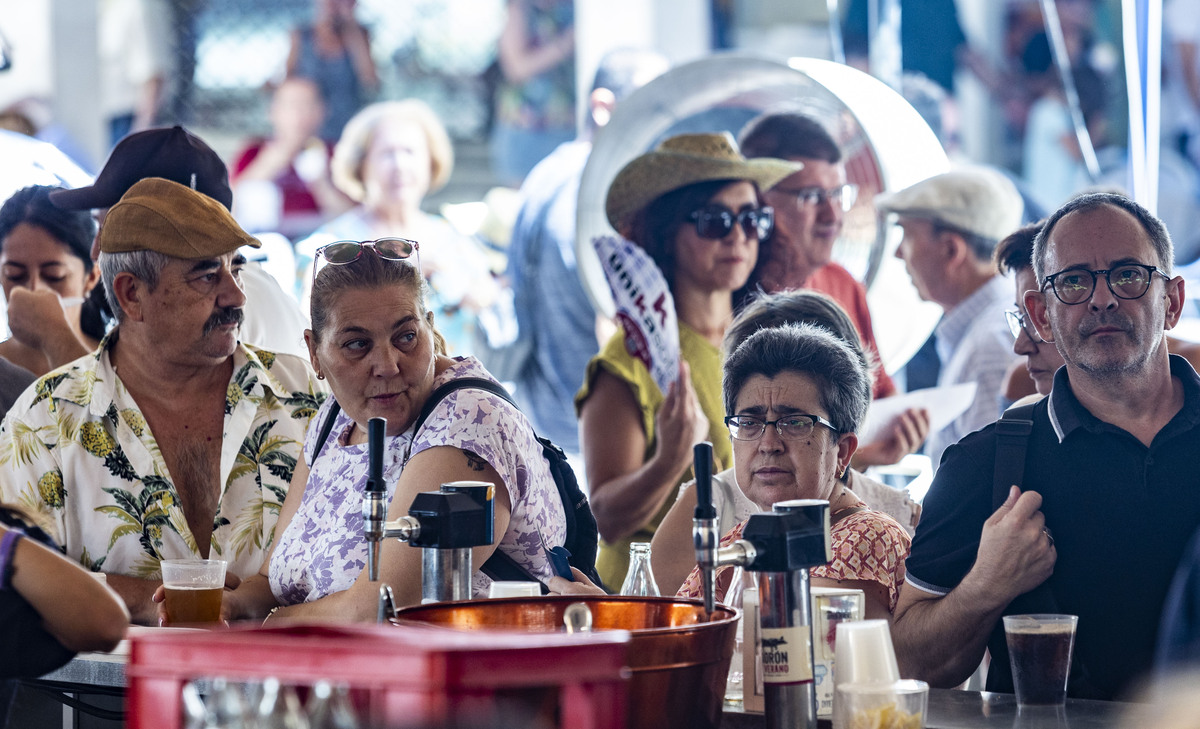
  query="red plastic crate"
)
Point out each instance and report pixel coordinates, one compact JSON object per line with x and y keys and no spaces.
{"x":408,"y":674}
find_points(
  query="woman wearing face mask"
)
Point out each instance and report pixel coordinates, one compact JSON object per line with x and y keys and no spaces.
{"x":694,"y":205}
{"x":45,"y":261}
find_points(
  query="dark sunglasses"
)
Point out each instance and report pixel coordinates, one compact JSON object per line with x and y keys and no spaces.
{"x":716,"y":223}
{"x":349,"y":251}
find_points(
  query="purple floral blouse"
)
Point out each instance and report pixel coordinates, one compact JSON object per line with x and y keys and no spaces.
{"x":322,"y":550}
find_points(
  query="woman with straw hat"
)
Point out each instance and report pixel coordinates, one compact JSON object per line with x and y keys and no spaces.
{"x":694,"y":204}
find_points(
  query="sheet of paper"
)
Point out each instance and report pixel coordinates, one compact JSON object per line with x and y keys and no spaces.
{"x":943,"y":403}
{"x":645,"y":309}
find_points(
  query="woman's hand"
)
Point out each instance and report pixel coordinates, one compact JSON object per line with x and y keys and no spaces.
{"x":903,"y":435}
{"x":581,"y":586}
{"x":680,"y":423}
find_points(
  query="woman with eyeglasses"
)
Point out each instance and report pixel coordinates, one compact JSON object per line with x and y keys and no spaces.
{"x":795,"y":395}
{"x":374,"y":339}
{"x":694,"y":204}
{"x":674,"y":554}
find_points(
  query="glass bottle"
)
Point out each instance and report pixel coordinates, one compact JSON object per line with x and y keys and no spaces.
{"x":639,"y":580}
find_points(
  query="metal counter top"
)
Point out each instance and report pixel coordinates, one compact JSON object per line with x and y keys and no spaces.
{"x":951,"y":709}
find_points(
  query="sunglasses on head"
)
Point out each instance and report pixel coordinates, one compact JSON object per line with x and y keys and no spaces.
{"x":717,"y":222}
{"x":348,"y":251}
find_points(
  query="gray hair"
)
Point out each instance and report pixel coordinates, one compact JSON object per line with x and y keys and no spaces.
{"x":804,"y":349}
{"x":981,"y":246}
{"x":147,"y":266}
{"x":1155,"y":230}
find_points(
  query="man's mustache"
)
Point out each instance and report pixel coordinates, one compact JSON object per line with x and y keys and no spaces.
{"x":227,"y":315}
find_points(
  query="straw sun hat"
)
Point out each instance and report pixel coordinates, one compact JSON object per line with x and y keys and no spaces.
{"x":684,"y":160}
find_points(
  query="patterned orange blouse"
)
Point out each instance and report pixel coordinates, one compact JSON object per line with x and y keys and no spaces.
{"x":867,"y":545}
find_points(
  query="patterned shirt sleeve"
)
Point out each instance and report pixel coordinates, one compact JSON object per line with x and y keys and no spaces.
{"x":30,"y":474}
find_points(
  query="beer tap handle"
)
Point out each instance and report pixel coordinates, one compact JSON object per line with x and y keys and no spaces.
{"x":702,"y":455}
{"x":704,"y":523}
{"x":374,"y":510}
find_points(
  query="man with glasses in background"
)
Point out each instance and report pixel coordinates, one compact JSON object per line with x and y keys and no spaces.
{"x":1014,"y":256}
{"x":173,"y":440}
{"x":810,"y":207}
{"x":1110,"y":489}
{"x":952,"y":223}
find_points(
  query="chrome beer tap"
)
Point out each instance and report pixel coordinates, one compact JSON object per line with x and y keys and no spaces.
{"x":704,"y":522}
{"x":445,"y":524}
{"x":781,"y":545}
{"x":374,"y":510}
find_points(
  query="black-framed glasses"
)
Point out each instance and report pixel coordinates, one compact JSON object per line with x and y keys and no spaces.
{"x":344,"y":252}
{"x":1129,"y":281}
{"x":789,"y":427}
{"x":715,"y":223}
{"x":842,"y":196}
{"x":1017,"y":323}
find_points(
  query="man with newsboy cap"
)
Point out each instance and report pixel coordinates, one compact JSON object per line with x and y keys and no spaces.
{"x":952,"y":223}
{"x":173,"y":439}
{"x":274,"y":320}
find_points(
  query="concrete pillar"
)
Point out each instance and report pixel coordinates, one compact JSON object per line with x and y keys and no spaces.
{"x":680,"y":29}
{"x":76,"y":77}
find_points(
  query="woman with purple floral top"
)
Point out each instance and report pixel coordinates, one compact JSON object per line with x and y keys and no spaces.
{"x":374,"y":340}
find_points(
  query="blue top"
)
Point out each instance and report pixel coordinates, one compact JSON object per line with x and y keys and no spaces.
{"x":551,"y":305}
{"x":335,"y":76}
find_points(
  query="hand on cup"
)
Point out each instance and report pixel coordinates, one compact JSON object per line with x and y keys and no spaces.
{"x":192,"y":590}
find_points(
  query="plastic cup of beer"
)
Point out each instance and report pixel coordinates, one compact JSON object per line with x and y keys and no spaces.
{"x":193,"y":590}
{"x":1039,"y":651}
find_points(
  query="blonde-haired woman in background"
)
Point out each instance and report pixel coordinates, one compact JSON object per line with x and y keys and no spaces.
{"x":390,"y":156}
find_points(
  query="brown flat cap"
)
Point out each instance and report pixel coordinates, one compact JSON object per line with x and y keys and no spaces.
{"x":164,"y":216}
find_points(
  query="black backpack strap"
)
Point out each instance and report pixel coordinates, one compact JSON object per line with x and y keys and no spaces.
{"x":441,"y":392}
{"x":1012,"y":440}
{"x":326,"y":427}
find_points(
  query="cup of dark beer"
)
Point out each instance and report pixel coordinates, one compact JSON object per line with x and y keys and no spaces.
{"x":193,"y":589}
{"x":1039,"y":651}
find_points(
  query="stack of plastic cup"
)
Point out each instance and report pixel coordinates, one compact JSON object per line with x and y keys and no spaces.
{"x":863,"y":655}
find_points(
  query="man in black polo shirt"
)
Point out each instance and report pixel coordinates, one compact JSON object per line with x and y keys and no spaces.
{"x":1111,"y":486}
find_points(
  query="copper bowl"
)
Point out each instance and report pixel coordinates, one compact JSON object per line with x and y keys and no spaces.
{"x":678,"y":658}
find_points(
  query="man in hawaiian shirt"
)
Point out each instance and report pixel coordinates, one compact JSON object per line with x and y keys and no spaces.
{"x":172,"y":439}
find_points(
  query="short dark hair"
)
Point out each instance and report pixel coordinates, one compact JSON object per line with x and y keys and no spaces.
{"x":798,"y":306}
{"x":368,"y":271}
{"x":787,"y":135}
{"x":75,"y":229}
{"x":1155,"y":230}
{"x":654,"y":227}
{"x":805,"y":349}
{"x":1015,"y":252}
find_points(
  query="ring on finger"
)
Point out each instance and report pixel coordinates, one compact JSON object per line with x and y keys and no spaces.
{"x":1049,"y":536}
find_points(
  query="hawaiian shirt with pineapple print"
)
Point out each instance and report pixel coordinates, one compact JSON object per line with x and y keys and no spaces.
{"x":75,"y":448}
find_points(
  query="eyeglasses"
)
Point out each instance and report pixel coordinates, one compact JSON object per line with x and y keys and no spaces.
{"x":716,"y":223}
{"x":789,"y":427}
{"x":1076,"y":285}
{"x":1017,"y":324}
{"x":348,"y":251}
{"x":842,"y":196}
